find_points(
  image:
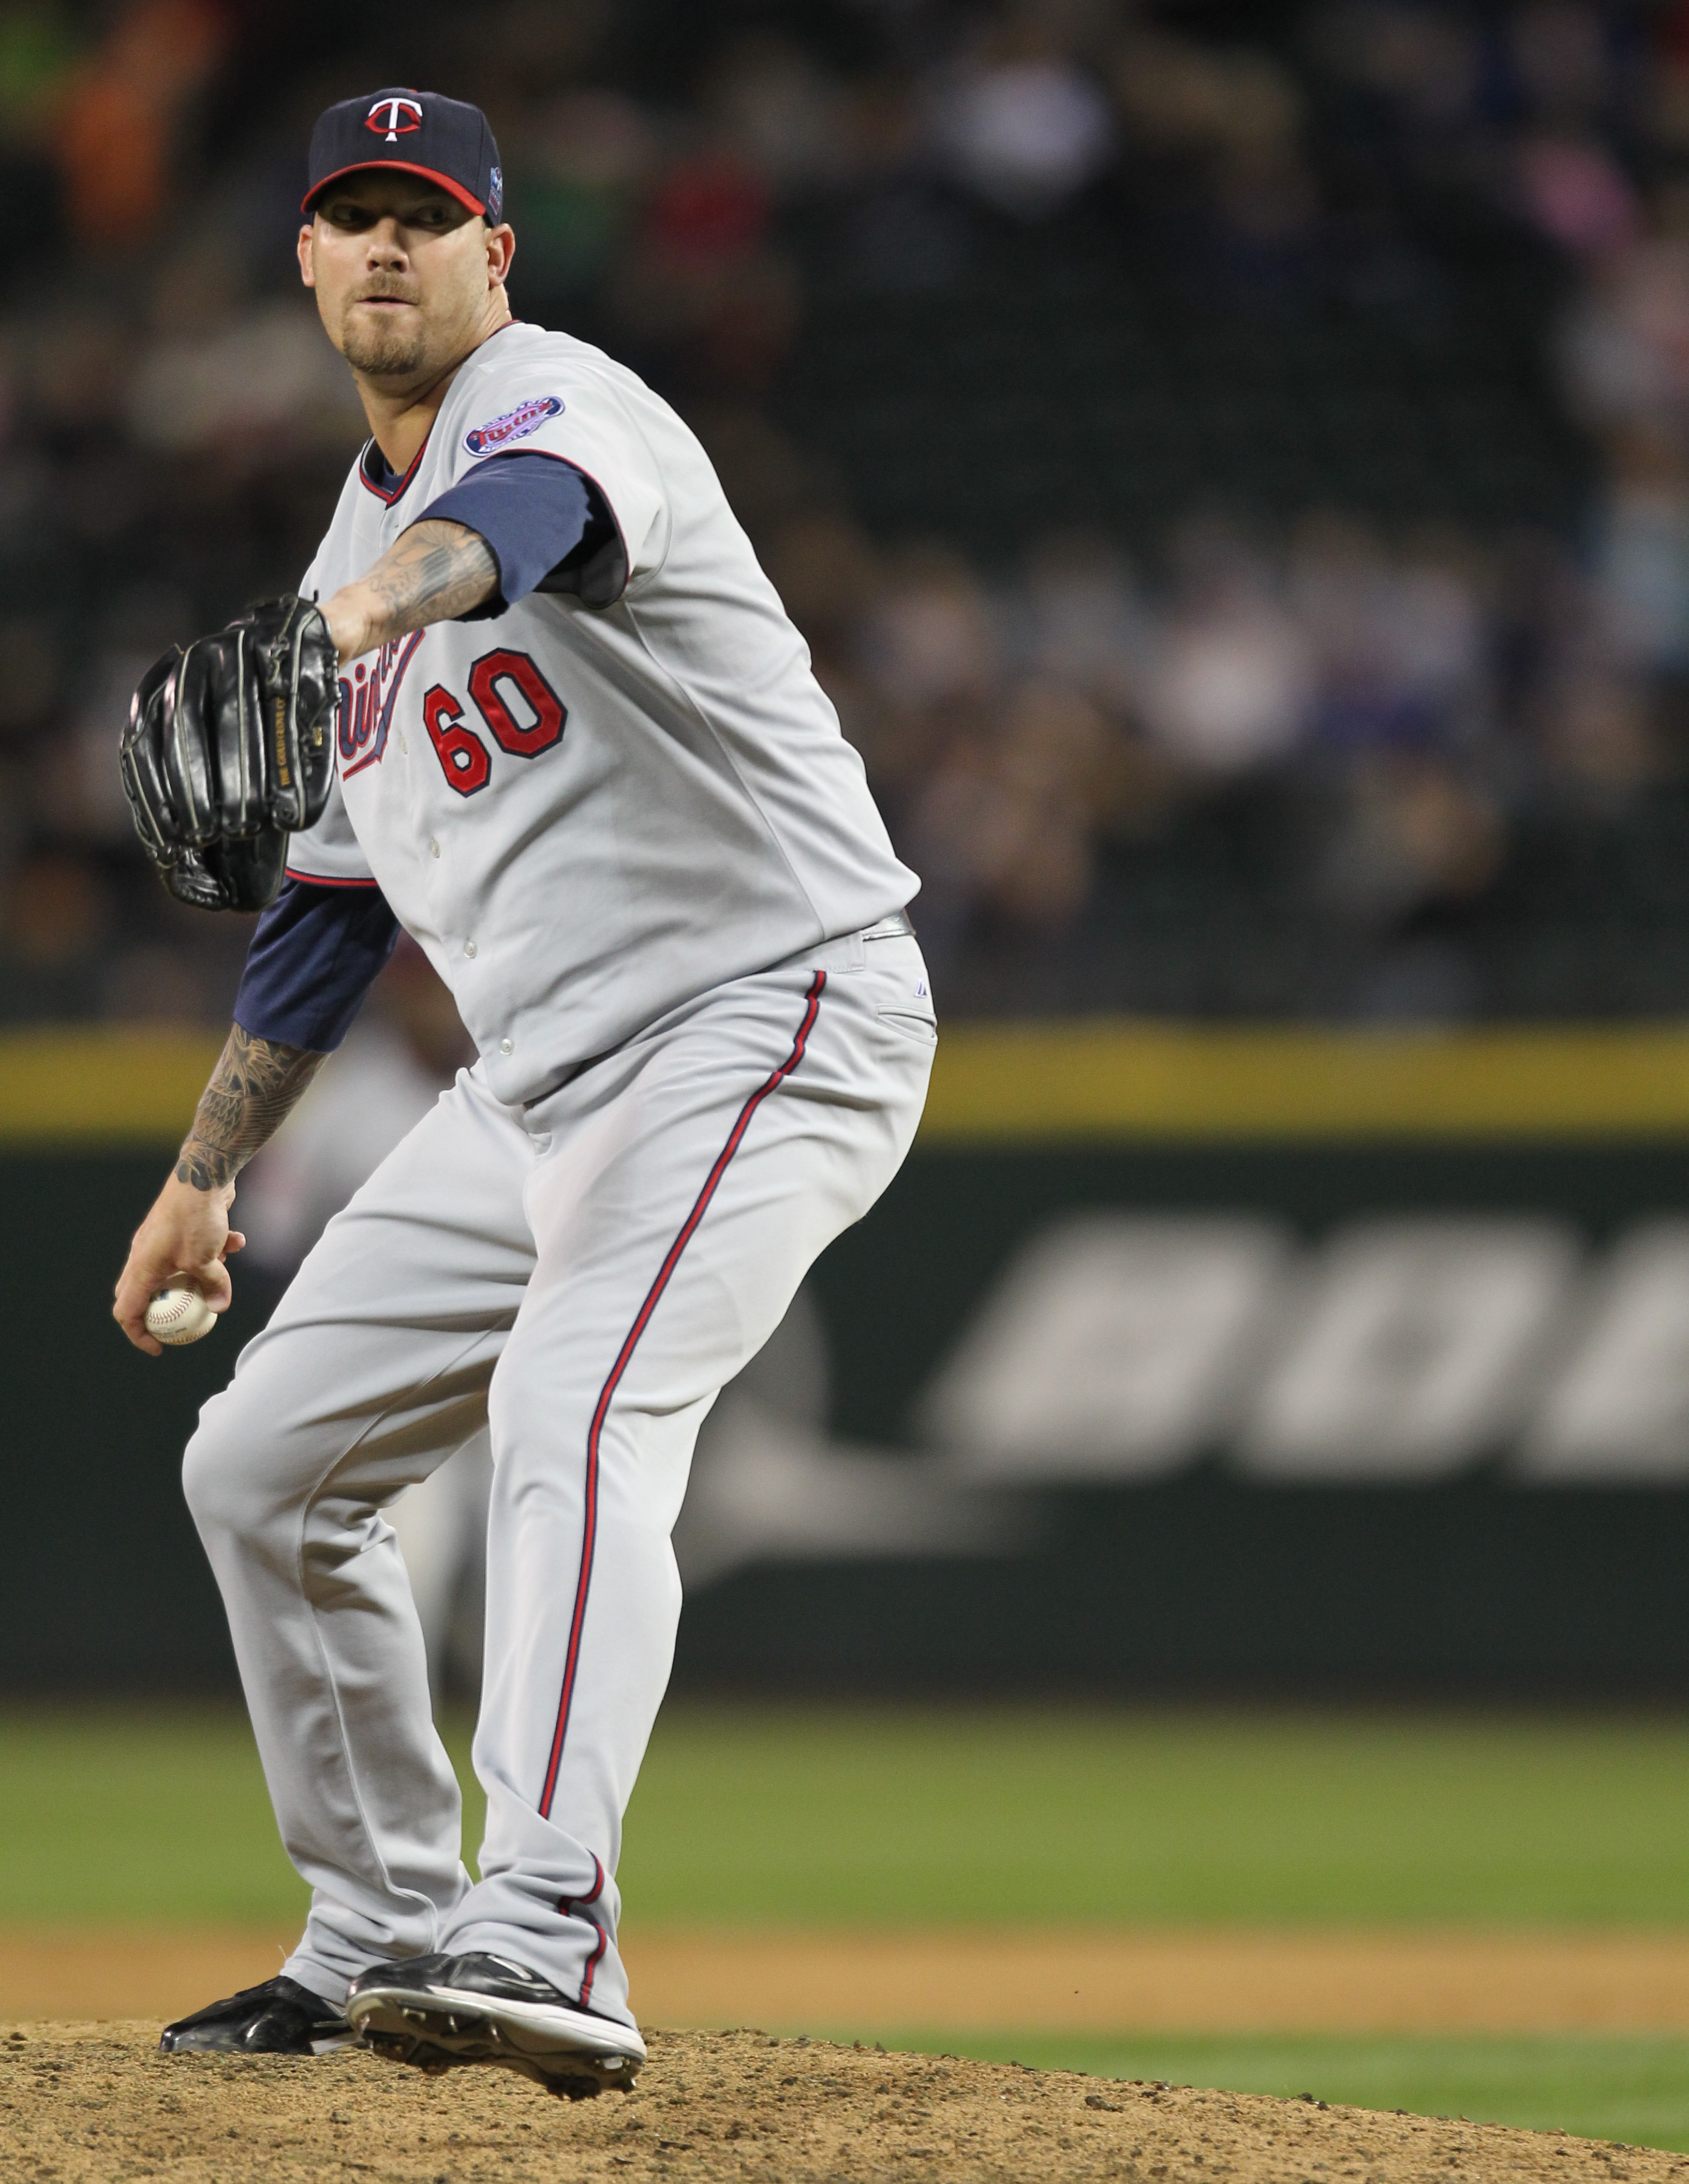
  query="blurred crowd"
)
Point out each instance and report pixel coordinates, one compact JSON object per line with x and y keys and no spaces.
{"x":1380,"y":715}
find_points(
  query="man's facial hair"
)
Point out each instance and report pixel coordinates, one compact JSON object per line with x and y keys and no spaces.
{"x":381,"y":350}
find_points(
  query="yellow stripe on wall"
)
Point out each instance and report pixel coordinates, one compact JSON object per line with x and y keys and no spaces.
{"x":1103,"y":1082}
{"x":1097,"y":1082}
{"x":106,"y":1085}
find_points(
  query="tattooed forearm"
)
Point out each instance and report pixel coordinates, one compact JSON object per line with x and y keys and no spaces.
{"x":255,"y":1084}
{"x":435,"y":572}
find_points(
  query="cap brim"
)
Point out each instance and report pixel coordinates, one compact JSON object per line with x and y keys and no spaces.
{"x":402,"y":166}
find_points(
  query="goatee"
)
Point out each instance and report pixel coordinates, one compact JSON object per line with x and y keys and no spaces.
{"x":383,"y":350}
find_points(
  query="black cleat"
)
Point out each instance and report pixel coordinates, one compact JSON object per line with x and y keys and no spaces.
{"x":280,"y":2018}
{"x":441,"y":2010}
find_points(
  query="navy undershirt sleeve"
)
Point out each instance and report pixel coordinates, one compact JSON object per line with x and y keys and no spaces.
{"x":548,"y":525}
{"x":314,"y":955}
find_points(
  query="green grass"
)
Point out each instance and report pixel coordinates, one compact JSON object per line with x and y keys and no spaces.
{"x":1043,"y":1813}
{"x":1600,"y":2086}
{"x":924,"y":1815}
{"x":928,"y":1815}
{"x":149,"y":1815}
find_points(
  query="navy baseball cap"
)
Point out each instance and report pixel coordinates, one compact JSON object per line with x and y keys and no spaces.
{"x":420,"y":133}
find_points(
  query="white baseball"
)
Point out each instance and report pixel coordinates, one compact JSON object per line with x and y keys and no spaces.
{"x":180,"y":1315}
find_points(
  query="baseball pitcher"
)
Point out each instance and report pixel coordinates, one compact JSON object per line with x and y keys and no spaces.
{"x":537,"y":703}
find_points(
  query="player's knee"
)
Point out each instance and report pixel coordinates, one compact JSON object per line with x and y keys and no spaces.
{"x":504,"y":1417}
{"x":206,"y":1480}
{"x":226,"y":1490}
{"x":519,"y":1427}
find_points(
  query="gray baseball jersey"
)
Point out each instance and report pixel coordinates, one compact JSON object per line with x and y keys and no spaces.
{"x":588,"y":816}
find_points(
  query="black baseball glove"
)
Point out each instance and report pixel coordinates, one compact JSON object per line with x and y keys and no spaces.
{"x":229,"y":749}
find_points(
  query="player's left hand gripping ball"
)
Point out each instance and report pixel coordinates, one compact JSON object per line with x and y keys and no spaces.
{"x":229,"y":749}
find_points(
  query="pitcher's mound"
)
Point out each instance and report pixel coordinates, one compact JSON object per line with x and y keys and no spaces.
{"x":98,"y":2102}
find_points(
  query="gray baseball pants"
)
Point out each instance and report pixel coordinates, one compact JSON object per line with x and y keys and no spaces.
{"x":582,"y":1276}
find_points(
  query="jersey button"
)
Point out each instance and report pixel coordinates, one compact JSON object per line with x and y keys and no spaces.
{"x":433,"y":848}
{"x":469,"y":948}
{"x":506,"y":1046}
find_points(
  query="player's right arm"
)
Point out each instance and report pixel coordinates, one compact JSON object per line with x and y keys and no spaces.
{"x":314,"y":955}
{"x":254,"y":1086}
{"x":319,"y":945}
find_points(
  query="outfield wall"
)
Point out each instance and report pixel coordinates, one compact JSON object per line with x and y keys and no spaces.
{"x":1217,"y":1357}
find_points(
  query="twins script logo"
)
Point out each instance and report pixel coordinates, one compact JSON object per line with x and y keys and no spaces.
{"x":515,"y":424}
{"x":363,"y":713}
{"x":403,"y":115}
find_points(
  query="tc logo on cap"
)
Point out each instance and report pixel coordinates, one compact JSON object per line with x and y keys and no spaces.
{"x":402,"y":116}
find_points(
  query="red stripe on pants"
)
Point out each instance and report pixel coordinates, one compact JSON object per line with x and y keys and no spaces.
{"x":589,"y":1528}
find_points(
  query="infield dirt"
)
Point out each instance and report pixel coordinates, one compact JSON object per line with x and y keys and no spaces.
{"x":98,"y":2104}
{"x":971,"y":1981}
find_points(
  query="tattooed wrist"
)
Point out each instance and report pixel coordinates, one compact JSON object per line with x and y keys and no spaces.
{"x":437,"y":570}
{"x":253,"y":1088}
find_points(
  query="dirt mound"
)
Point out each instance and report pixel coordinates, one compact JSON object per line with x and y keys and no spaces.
{"x":99,"y":2101}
